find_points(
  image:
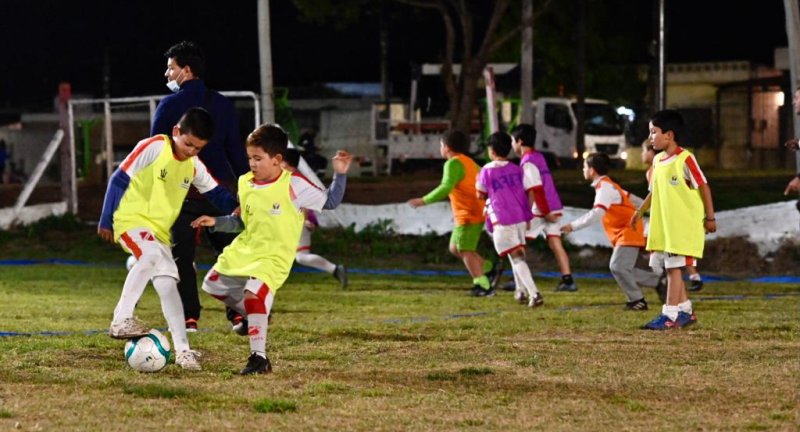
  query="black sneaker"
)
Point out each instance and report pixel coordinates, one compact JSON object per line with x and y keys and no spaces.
{"x":638,"y":305}
{"x":495,"y":273}
{"x":661,"y":288}
{"x":509,"y":286}
{"x":256,"y":365}
{"x":239,"y":326}
{"x":340,"y":274}
{"x":695,"y":285}
{"x":565,"y":286}
{"x":477,"y":291}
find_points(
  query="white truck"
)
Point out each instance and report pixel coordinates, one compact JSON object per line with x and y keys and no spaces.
{"x":604,"y":129}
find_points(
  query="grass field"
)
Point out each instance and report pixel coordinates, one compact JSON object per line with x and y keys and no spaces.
{"x":404,"y":353}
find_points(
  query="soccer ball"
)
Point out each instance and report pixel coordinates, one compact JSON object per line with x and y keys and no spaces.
{"x":130,"y":262}
{"x":148,"y":353}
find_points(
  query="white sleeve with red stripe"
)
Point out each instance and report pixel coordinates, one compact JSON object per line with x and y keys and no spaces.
{"x":606,"y":196}
{"x":203,"y":180}
{"x":145,"y":153}
{"x":306,"y":195}
{"x":531,"y":177}
{"x":692,"y":172}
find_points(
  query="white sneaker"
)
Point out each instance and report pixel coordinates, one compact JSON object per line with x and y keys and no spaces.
{"x":520,"y":297}
{"x":188,"y":360}
{"x":129,"y":328}
{"x":536,"y":301}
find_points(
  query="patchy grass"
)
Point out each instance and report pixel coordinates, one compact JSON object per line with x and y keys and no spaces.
{"x":404,"y":353}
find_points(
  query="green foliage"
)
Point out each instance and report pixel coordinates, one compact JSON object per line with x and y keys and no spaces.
{"x":4,"y":413}
{"x":274,"y":406}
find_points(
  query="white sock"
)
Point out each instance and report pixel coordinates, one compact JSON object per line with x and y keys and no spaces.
{"x":315,"y":261}
{"x":134,"y":286}
{"x":258,"y":339}
{"x":172,"y":307}
{"x":520,"y":267}
{"x":670,"y":311}
{"x":685,"y":306}
{"x":695,"y":277}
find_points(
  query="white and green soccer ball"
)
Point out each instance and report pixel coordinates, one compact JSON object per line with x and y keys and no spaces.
{"x":148,"y":353}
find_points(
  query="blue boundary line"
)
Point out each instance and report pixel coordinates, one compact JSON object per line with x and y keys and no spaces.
{"x":421,"y":319}
{"x":400,"y":272}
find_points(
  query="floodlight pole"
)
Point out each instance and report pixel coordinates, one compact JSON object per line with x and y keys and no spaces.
{"x":792,"y":34}
{"x":526,"y":66}
{"x":265,"y":63}
{"x":661,"y":92}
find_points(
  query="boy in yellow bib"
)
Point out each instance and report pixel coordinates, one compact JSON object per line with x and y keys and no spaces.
{"x":681,"y":212}
{"x":143,"y":199}
{"x":273,"y":201}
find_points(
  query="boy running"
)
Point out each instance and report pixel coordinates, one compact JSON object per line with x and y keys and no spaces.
{"x":509,"y":213}
{"x":458,"y":183}
{"x":143,"y":199}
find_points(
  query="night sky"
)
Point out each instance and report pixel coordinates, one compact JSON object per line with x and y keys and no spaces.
{"x":46,"y":41}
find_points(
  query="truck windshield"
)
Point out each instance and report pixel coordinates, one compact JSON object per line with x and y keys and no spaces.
{"x":601,"y":119}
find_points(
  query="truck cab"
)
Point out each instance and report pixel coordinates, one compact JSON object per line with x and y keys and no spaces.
{"x":604,"y":129}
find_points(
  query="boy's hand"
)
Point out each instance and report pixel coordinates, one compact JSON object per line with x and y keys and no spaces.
{"x":106,"y":234}
{"x":710,"y":226}
{"x":237,"y":211}
{"x":416,"y":202}
{"x":552,"y":217}
{"x":793,"y":186}
{"x":634,"y":219}
{"x":566,"y":229}
{"x":341,"y":162}
{"x":204,"y":221}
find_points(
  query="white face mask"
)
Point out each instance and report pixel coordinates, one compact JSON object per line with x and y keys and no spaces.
{"x":173,"y":85}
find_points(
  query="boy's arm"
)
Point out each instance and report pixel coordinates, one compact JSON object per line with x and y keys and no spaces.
{"x":605,"y":196}
{"x":218,"y":195}
{"x":231,"y":223}
{"x":452,"y":174}
{"x":710,"y":221}
{"x":588,"y":218}
{"x":532,"y":180}
{"x":117,"y":186}
{"x":639,"y":213}
{"x":335,"y":192}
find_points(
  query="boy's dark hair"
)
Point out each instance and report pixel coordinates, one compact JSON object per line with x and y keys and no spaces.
{"x":600,"y":162}
{"x":525,"y":133}
{"x":292,"y":157}
{"x":271,"y":138}
{"x":188,"y":54}
{"x":198,"y":122}
{"x":456,"y":140}
{"x":670,"y":120}
{"x":500,"y":143}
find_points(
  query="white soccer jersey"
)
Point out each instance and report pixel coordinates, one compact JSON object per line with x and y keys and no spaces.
{"x":148,"y":150}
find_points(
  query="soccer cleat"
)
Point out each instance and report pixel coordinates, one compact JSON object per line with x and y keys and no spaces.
{"x":509,"y":286}
{"x":129,"y":328}
{"x":340,"y":273}
{"x":638,"y":305}
{"x":661,"y":322}
{"x":521,"y":297}
{"x":661,"y":288}
{"x":256,"y":365}
{"x":685,"y":319}
{"x":239,"y":325}
{"x":191,"y":325}
{"x":188,"y":360}
{"x":695,"y":285}
{"x":495,"y":273}
{"x":563,"y":286}
{"x":536,"y":301}
{"x":477,"y":291}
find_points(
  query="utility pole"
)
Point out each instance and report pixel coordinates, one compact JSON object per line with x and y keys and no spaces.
{"x":526,"y":66}
{"x":792,"y":34}
{"x":580,"y":112}
{"x":265,"y":63}
{"x":661,"y":92}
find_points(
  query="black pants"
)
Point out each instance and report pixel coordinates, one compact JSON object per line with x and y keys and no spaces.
{"x":184,"y":248}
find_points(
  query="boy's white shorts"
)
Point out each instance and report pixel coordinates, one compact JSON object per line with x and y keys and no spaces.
{"x":217,"y":284}
{"x":539,"y":226}
{"x":142,"y":241}
{"x":508,"y":237}
{"x":305,"y":241}
{"x":662,"y":260}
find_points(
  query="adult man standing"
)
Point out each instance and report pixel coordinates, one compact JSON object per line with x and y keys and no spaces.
{"x":224,"y":156}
